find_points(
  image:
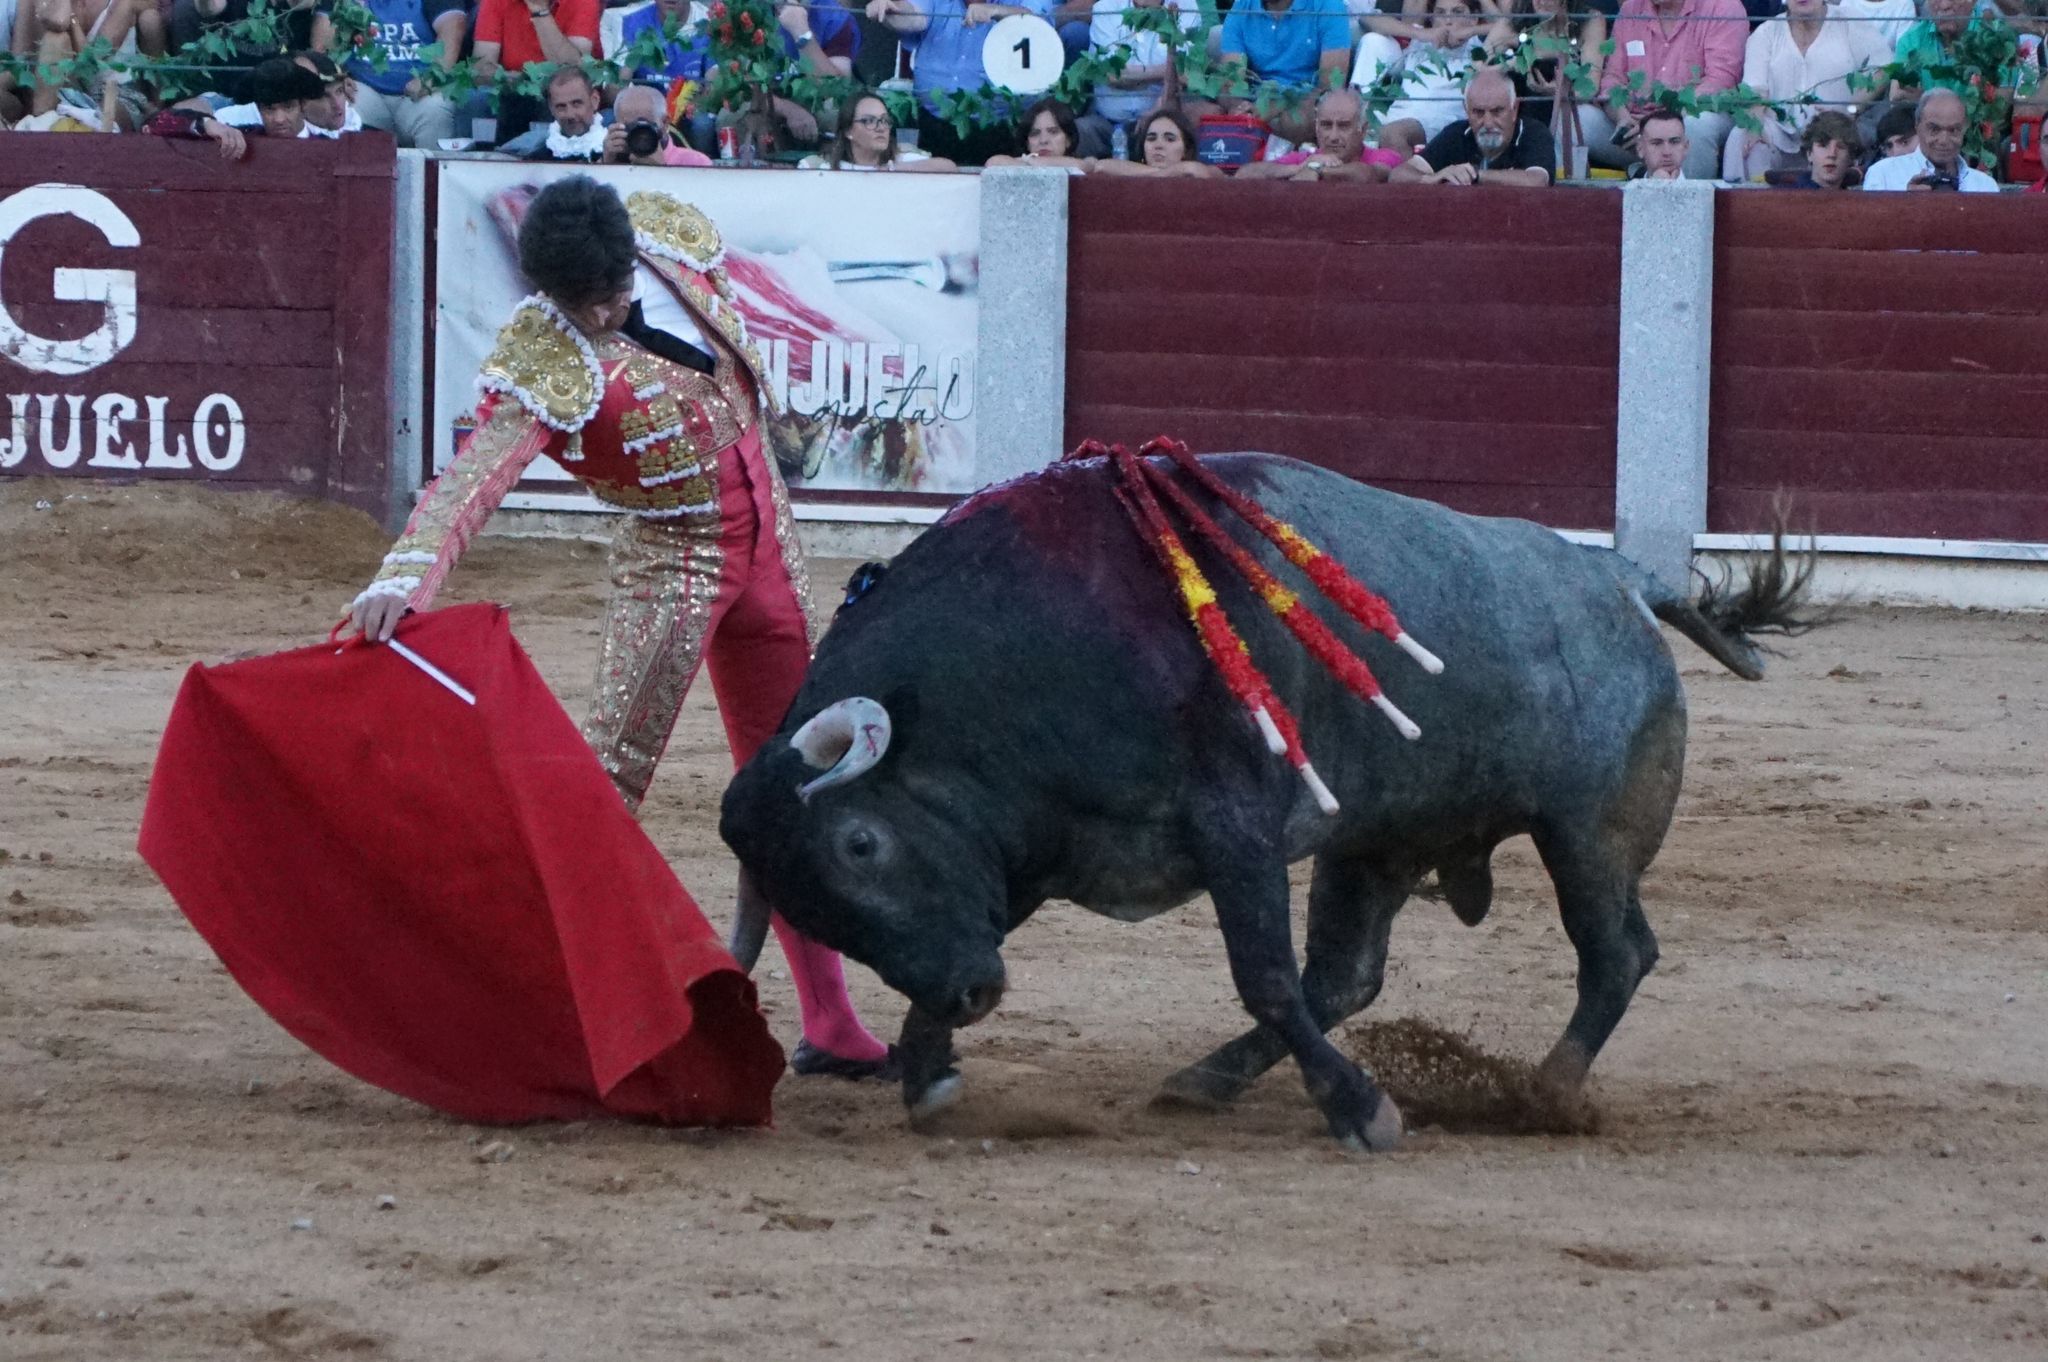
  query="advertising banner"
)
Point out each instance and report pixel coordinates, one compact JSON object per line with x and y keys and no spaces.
{"x":168,"y":315}
{"x":860,"y":291}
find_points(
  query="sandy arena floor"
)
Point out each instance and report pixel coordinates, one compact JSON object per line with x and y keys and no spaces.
{"x":1825,"y":1120}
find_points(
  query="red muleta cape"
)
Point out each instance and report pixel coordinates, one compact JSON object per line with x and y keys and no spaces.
{"x":448,"y":900}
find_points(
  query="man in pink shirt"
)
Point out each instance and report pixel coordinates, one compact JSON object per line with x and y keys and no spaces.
{"x":1675,"y":43}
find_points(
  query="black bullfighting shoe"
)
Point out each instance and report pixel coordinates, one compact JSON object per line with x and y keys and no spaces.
{"x":809,"y":1060}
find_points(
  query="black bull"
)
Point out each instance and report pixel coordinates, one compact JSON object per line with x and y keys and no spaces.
{"x":1040,"y":722}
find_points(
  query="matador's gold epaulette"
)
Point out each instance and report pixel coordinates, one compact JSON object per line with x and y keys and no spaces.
{"x":543,"y":361}
{"x":675,"y":230}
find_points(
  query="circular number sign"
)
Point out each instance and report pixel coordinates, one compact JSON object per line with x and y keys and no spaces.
{"x":1023,"y":53}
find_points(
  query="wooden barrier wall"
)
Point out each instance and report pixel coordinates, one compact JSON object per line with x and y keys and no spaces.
{"x":1884,"y":361}
{"x":243,"y":308}
{"x":1457,"y":344}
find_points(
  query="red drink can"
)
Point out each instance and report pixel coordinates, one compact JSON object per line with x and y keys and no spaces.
{"x":728,"y":143}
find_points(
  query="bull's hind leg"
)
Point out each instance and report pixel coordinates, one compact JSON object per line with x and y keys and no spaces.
{"x":1351,"y":908}
{"x":1597,"y":865}
{"x":1251,"y":907}
{"x":1604,"y":919}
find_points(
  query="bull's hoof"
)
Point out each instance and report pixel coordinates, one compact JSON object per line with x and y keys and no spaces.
{"x":1197,"y":1089}
{"x":925,"y":1106}
{"x":1381,"y":1135}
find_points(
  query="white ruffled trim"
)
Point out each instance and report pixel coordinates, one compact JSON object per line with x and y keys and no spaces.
{"x":400,"y":587}
{"x":672,"y":512}
{"x":653,"y":437}
{"x":491,"y":383}
{"x":681,"y":473}
{"x":667,"y":252}
{"x":649,"y":393}
{"x":416,"y":556}
{"x":590,"y":143}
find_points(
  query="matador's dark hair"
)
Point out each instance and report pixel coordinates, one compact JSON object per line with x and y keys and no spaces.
{"x":576,"y":244}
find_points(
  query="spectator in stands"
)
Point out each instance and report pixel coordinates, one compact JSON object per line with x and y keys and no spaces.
{"x":1895,"y":135}
{"x":1932,"y":43}
{"x":327,"y":115}
{"x":1491,"y":144}
{"x":512,"y":35}
{"x":1832,"y":149}
{"x":1429,"y":74}
{"x":1888,"y":20}
{"x":1162,"y":144}
{"x":1339,"y":153}
{"x":866,"y":140}
{"x":306,"y":26}
{"x":1051,"y":139}
{"x":1937,"y":163}
{"x":575,"y":134}
{"x":1564,"y":32}
{"x":50,"y":32}
{"x":1124,"y":98}
{"x":640,"y":134}
{"x":1300,"y":45}
{"x":947,"y":37}
{"x":396,"y":99}
{"x":1676,"y":44}
{"x":1665,"y":144}
{"x":1803,"y":53}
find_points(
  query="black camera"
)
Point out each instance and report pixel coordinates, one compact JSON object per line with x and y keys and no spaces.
{"x":1936,"y":180}
{"x":643,"y":137}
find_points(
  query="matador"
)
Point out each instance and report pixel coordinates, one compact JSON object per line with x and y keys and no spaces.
{"x":632,"y":369}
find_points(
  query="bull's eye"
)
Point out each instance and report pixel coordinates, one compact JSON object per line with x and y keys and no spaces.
{"x":860,"y":844}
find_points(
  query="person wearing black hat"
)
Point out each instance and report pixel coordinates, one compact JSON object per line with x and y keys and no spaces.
{"x":327,"y":114}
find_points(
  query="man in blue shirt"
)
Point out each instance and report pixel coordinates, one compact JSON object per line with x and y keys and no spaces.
{"x":395,"y":99}
{"x":823,"y":39}
{"x":947,"y":36}
{"x":1304,"y":47}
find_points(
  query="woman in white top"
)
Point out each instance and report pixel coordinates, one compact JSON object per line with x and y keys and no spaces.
{"x":1807,"y":50}
{"x":867,"y":141}
{"x":1431,"y":74}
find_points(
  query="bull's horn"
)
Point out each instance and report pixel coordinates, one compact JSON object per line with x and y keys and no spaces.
{"x":843,"y":739}
{"x":750,"y":924}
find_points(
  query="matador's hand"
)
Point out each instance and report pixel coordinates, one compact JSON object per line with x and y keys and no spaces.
{"x":376,"y":617}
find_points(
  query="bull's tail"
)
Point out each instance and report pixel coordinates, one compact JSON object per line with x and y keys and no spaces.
{"x":1775,"y":597}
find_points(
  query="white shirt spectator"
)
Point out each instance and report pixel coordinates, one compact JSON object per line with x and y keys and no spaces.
{"x":1888,"y":18}
{"x":1773,"y":64}
{"x":1432,"y":78}
{"x":904,"y":156}
{"x":1895,"y":172}
{"x":1107,"y":32}
{"x":249,"y":116}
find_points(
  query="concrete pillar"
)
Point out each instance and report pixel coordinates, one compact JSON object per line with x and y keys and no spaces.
{"x":408,"y":337}
{"x":1667,"y":314}
{"x":1020,"y":372}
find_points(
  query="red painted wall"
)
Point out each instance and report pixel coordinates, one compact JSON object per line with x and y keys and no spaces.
{"x":263,"y":285}
{"x":1882,"y":360}
{"x":1457,"y":344}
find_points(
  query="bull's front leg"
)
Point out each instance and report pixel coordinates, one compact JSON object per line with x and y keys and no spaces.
{"x":1252,"y":908}
{"x":930,"y":1081}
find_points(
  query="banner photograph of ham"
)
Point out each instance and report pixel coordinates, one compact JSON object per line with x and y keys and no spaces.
{"x":860,"y":292}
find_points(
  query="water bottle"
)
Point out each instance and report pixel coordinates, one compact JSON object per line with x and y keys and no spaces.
{"x":1120,"y":142}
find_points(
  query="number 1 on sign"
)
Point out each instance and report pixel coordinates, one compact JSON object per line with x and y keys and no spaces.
{"x":1022,"y":54}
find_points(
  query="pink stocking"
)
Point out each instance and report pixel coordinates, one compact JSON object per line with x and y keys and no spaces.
{"x":830,"y":1022}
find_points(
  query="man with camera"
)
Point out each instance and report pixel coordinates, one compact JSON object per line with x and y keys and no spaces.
{"x":1938,"y":164}
{"x":640,"y":134}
